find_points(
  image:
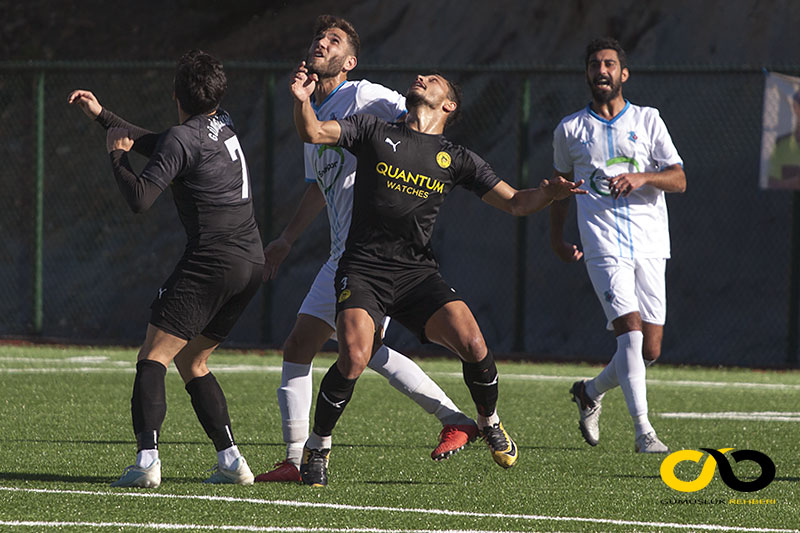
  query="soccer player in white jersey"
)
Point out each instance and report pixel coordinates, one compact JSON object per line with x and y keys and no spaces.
{"x":628,"y":161}
{"x":330,"y":172}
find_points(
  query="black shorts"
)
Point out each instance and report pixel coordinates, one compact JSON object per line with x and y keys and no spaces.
{"x":409,"y":296}
{"x":205,"y":295}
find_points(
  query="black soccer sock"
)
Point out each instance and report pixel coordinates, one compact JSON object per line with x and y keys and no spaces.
{"x":481,"y":379}
{"x":148,"y":403}
{"x":211,"y":408}
{"x":334,"y":393}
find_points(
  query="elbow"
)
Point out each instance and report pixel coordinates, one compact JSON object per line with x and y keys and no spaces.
{"x":138,"y":207}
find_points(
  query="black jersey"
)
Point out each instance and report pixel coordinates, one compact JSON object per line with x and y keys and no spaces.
{"x":204,"y":164}
{"x":402,"y":178}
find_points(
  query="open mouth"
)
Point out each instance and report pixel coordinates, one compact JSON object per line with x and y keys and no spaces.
{"x":602,"y":82}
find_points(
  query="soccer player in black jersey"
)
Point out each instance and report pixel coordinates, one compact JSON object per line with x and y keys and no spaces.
{"x":220,"y":270}
{"x":404,"y":172}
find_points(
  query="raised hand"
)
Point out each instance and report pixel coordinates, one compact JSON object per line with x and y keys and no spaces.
{"x":303,"y":83}
{"x":87,"y":101}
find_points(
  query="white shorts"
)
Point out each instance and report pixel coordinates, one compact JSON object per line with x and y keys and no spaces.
{"x":626,"y":285}
{"x":320,"y":302}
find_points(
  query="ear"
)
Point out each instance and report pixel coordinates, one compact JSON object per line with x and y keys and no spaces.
{"x":449,"y":106}
{"x":350,"y":63}
{"x":625,"y":74}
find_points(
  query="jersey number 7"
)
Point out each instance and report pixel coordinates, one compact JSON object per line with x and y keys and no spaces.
{"x":235,"y":149}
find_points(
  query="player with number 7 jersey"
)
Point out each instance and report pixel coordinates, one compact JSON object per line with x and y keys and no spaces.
{"x":202,"y":161}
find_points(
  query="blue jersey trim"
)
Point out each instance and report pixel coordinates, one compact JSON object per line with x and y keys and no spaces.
{"x":604,"y":121}
{"x":316,"y":107}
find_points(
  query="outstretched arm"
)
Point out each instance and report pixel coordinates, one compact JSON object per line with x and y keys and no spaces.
{"x":144,"y":139}
{"x":566,"y":251}
{"x":520,"y":203}
{"x":310,"y":129}
{"x":307,"y":210}
{"x":671,"y":179}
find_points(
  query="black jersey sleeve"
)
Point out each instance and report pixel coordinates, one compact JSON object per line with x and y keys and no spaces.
{"x":138,"y":192}
{"x":169,"y":160}
{"x":476,"y":174}
{"x":355,"y":130}
{"x":144,"y":140}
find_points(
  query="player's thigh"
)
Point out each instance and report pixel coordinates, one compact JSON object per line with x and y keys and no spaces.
{"x":614,"y":283}
{"x":651,"y":290}
{"x":357,"y":289}
{"x":306,"y":339}
{"x":160,"y":346}
{"x":229,"y":298}
{"x":320,"y":300}
{"x":454,"y":327}
{"x":356,"y":336}
{"x":652,"y":293}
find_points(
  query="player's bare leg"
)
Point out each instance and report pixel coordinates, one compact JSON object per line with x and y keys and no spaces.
{"x":356,"y":332}
{"x":454,"y":327}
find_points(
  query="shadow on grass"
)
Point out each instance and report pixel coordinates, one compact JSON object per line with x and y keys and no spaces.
{"x":102,"y":480}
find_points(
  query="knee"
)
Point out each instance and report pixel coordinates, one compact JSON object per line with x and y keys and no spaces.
{"x":296,"y":350}
{"x":352,"y":362}
{"x":651,"y":353}
{"x":473,"y":348}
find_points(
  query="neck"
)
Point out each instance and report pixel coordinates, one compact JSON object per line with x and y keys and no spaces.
{"x":609,"y":110}
{"x":326,"y":86}
{"x":426,"y":120}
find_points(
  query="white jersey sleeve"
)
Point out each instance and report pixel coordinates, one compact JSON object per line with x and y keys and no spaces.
{"x":374,"y":99}
{"x":562,"y":161}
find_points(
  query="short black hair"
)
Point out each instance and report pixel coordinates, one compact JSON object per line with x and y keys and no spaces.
{"x":326,"y":22}
{"x":454,"y":94}
{"x":200,"y":82}
{"x":607,"y":43}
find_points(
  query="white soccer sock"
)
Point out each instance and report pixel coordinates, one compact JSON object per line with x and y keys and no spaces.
{"x":316,"y":442}
{"x":226,"y":457}
{"x":145,"y":458}
{"x":604,"y":381}
{"x":631,"y":376}
{"x":484,"y":421}
{"x":294,"y":400}
{"x":407,"y":377}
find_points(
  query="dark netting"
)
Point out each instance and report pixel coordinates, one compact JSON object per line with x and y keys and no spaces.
{"x":727,"y":281}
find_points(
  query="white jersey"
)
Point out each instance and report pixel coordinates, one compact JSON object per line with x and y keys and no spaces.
{"x":593,"y":149}
{"x":334,"y":168}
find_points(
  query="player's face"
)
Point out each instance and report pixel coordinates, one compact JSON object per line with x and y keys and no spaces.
{"x":328,"y":53}
{"x":605,"y":76}
{"x":428,"y":89}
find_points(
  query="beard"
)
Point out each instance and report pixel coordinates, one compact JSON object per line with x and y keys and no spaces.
{"x":325,"y":69}
{"x":414,"y":99}
{"x":603,"y":96}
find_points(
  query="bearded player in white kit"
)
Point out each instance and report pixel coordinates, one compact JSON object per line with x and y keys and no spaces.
{"x":330,"y":171}
{"x":628,"y":161}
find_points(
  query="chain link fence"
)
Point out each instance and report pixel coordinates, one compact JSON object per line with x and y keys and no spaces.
{"x":78,"y":266}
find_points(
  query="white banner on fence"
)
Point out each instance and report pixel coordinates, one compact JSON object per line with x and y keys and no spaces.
{"x":780,"y":137}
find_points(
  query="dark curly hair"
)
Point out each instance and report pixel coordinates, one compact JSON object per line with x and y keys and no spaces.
{"x":200,"y":82}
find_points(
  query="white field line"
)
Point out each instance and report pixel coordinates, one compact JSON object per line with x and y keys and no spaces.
{"x":372,"y":508}
{"x":772,"y":416}
{"x":123,"y":366}
{"x":277,"y":529}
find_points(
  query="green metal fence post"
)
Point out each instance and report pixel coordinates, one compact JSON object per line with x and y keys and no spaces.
{"x":794,"y":285}
{"x":38,"y":228}
{"x":266,"y":230}
{"x":522,"y":233}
